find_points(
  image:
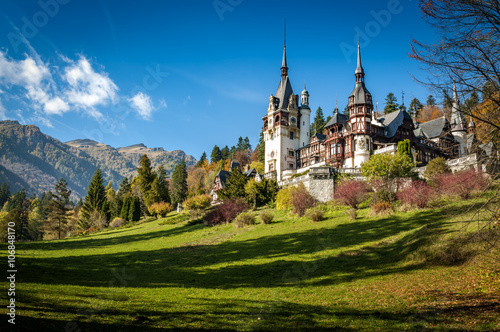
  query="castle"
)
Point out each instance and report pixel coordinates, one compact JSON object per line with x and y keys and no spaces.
{"x":349,"y":141}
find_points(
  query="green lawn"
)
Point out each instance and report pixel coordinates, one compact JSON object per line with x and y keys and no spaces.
{"x":374,"y":273}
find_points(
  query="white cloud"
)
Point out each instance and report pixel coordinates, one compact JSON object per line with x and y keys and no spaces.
{"x":88,"y":88}
{"x":142,"y":104}
{"x":56,"y":106}
{"x":76,"y":85}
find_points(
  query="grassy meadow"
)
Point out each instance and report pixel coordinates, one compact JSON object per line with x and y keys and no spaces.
{"x":397,"y":272}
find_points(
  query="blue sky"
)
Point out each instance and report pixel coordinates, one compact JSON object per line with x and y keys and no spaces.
{"x":191,"y":74}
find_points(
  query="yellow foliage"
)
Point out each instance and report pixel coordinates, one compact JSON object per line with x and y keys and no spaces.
{"x":284,"y":199}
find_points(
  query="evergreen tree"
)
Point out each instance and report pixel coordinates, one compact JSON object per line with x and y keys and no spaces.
{"x":415,"y":107}
{"x":59,"y":207}
{"x":241,"y":145}
{"x":116,"y":207}
{"x":215,"y":156}
{"x":319,"y":122}
{"x":110,"y":192}
{"x":159,"y":189}
{"x":225,"y":153}
{"x":431,"y":101}
{"x":262,"y":148}
{"x":246,"y":144}
{"x":125,"y":208}
{"x":235,"y":184}
{"x":134,"y":213}
{"x":346,"y":110}
{"x":16,"y":201}
{"x":93,"y":200}
{"x":391,"y":103}
{"x":470,"y":103}
{"x":146,"y":177}
{"x":179,"y":183}
{"x":4,"y":194}
{"x":202,"y":159}
{"x":124,"y":188}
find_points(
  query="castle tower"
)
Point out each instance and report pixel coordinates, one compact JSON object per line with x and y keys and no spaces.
{"x":281,"y":125}
{"x":458,"y":124}
{"x":304,"y":118}
{"x":360,"y":116}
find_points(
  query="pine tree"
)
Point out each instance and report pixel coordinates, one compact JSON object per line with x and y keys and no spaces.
{"x":125,"y":208}
{"x":110,"y":192}
{"x":146,"y":177}
{"x":225,"y":153}
{"x":431,"y":101}
{"x":202,"y":159}
{"x":262,"y":148}
{"x":391,"y":103}
{"x":134,"y":213}
{"x":16,"y":200}
{"x":59,"y":208}
{"x":159,"y":189}
{"x":415,"y":107}
{"x":235,"y":184}
{"x":94,"y":200}
{"x":241,"y":145}
{"x":4,"y":194}
{"x":319,"y":122}
{"x":179,"y":183}
{"x":246,"y":144}
{"x":215,"y":156}
{"x":124,"y":188}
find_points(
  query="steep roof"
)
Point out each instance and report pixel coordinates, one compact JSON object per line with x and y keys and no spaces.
{"x":360,"y":92}
{"x":433,"y":128}
{"x":337,"y":118}
{"x":223,"y":176}
{"x":284,"y":92}
{"x":392,"y":121}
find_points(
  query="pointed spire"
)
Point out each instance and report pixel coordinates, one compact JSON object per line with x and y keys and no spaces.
{"x":359,"y":68}
{"x":284,"y":67}
{"x":359,"y":73}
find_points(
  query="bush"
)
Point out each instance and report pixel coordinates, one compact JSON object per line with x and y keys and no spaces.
{"x":284,"y":199}
{"x":117,"y":222}
{"x":418,"y":193}
{"x":352,"y":213}
{"x":382,"y":208}
{"x":244,"y":219}
{"x":351,"y":192}
{"x":200,"y":202}
{"x":462,"y":183}
{"x":225,"y":212}
{"x":315,"y":214}
{"x":435,"y":168}
{"x":301,"y":199}
{"x":160,"y":209}
{"x":266,"y":217}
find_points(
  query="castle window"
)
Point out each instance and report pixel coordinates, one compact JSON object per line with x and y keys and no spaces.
{"x":360,"y":110}
{"x":339,"y":148}
{"x":291,"y":135}
{"x":290,"y":153}
{"x":290,"y":166}
{"x":277,"y":119}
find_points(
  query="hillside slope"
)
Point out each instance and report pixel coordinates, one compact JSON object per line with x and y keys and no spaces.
{"x":337,"y":274}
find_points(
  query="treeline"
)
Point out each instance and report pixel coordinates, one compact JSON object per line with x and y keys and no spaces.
{"x":53,"y":215}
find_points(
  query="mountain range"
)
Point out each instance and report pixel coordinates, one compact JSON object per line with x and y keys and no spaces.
{"x":36,"y":161}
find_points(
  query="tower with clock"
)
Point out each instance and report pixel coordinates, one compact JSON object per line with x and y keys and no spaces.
{"x":286,"y":125}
